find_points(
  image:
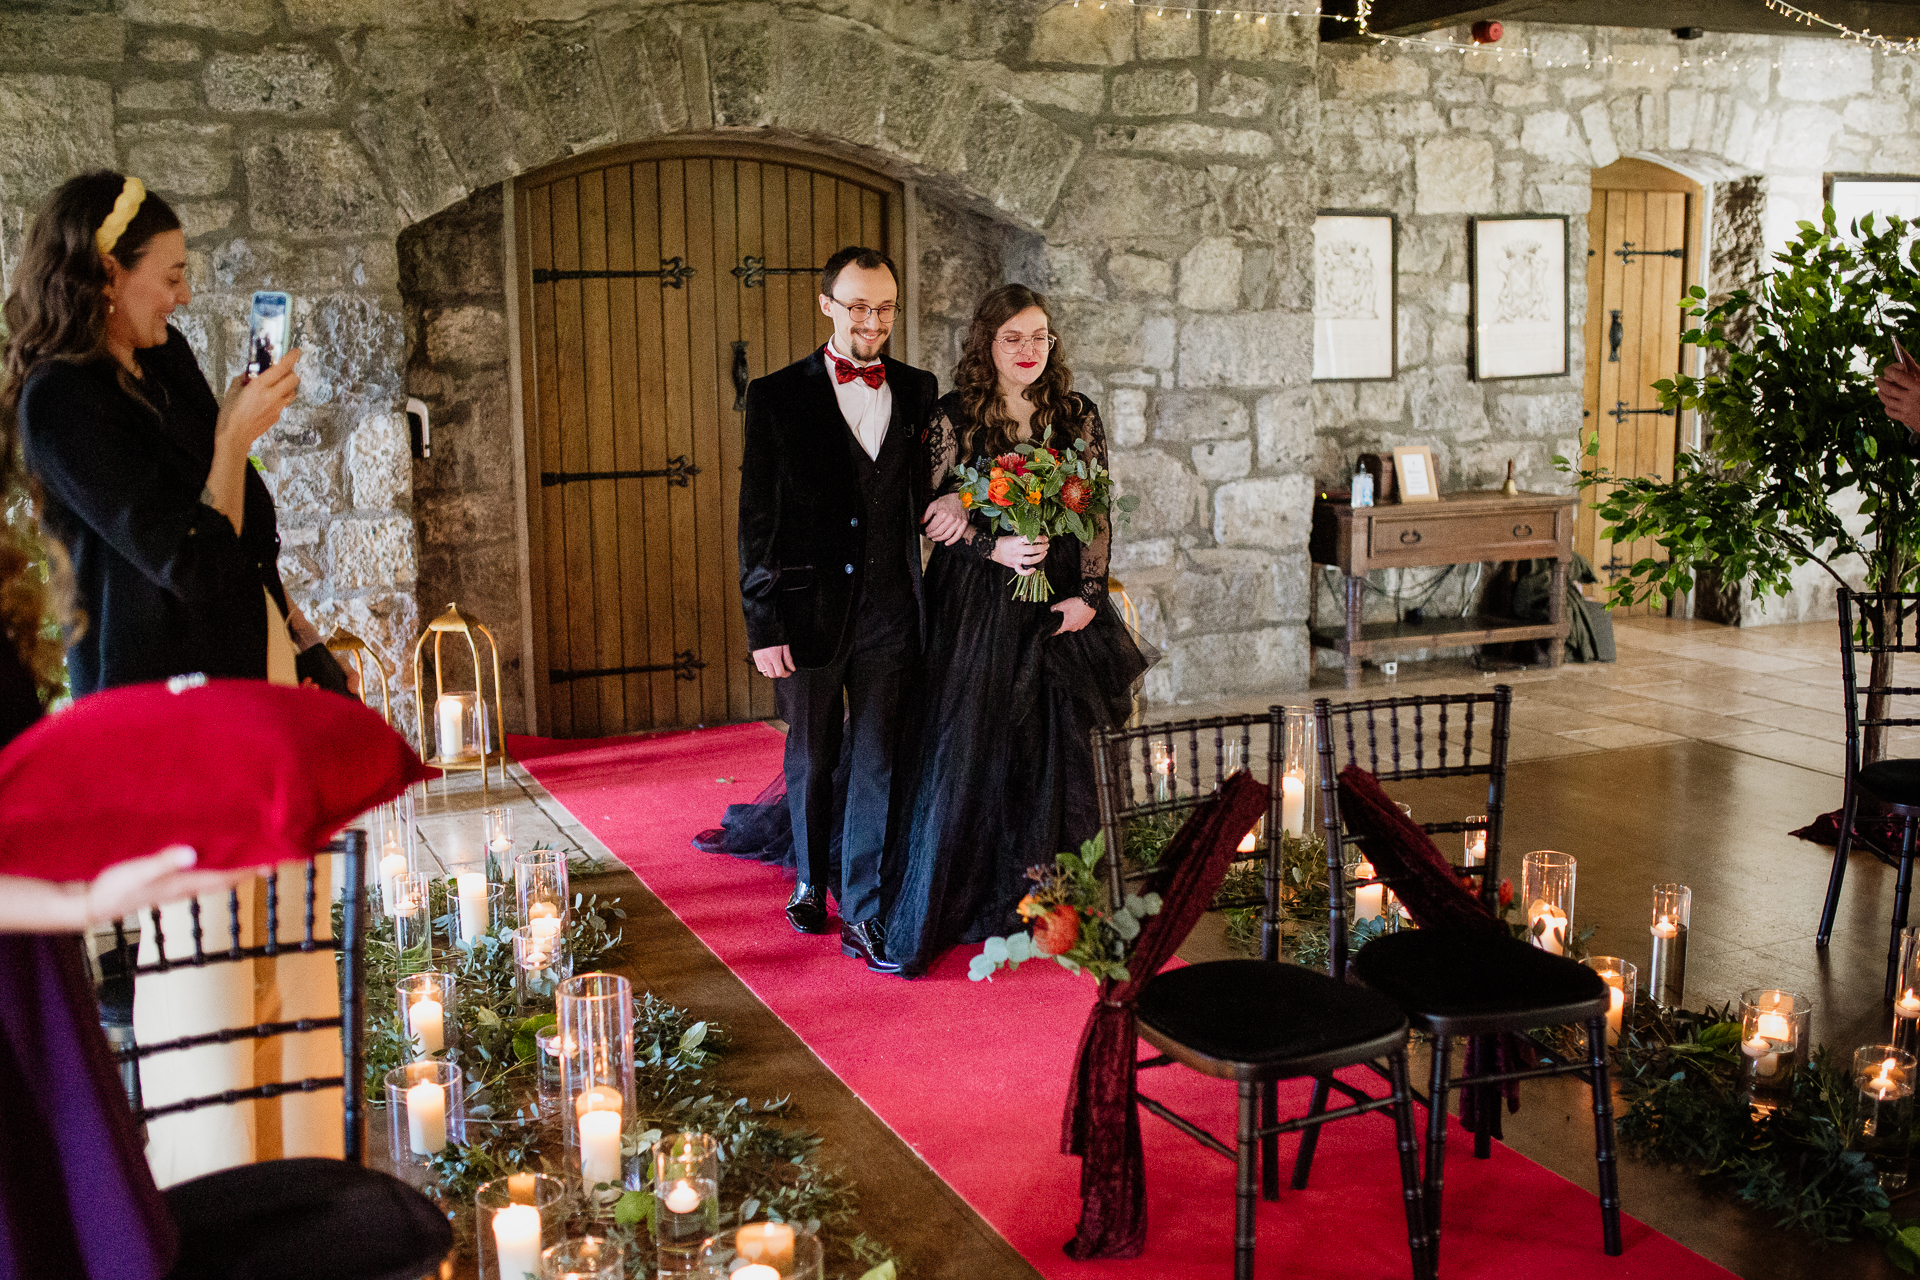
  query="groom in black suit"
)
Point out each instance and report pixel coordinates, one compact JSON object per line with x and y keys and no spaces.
{"x":832,"y":487}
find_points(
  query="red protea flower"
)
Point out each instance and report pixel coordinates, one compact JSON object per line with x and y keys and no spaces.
{"x":1055,"y":932}
{"x":1506,"y":894}
{"x":1011,"y":461}
{"x":1076,"y":494}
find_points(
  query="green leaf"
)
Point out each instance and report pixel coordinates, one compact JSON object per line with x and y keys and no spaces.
{"x":633,"y":1208}
{"x":885,"y":1271}
{"x":693,"y":1037}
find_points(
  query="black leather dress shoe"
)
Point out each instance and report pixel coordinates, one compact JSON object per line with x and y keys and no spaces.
{"x":867,"y":941}
{"x":807,"y":909}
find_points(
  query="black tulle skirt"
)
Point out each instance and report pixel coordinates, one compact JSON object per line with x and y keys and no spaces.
{"x":998,"y":762}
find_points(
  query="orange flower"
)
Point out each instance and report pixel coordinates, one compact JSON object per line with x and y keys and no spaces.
{"x":997,"y":492}
{"x":996,"y":473}
{"x":1076,"y":494}
{"x":1033,"y":495}
{"x":966,"y":499}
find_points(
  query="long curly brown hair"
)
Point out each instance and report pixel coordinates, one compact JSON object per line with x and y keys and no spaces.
{"x":56,"y":311}
{"x":988,"y":428}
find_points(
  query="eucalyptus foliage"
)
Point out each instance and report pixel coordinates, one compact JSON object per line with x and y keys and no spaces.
{"x":1791,"y":424}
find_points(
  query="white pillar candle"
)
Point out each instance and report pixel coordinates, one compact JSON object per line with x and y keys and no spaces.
{"x":755,"y":1271}
{"x":544,"y":927}
{"x":450,"y":722}
{"x":426,"y":1022}
{"x":1616,"y":1013}
{"x":1765,"y":1060}
{"x":426,"y":1118}
{"x":1293,"y":805}
{"x":766,"y":1243}
{"x":473,"y":905}
{"x":516,"y":1238}
{"x":599,"y":1097}
{"x":600,"y":1147}
{"x":1908,"y":1005}
{"x":684,"y":1198}
{"x":392,"y":866}
{"x":1476,"y":848}
{"x":1553,"y":937}
{"x":1367,"y":899}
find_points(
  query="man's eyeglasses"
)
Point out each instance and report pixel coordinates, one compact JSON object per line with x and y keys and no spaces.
{"x":858,"y":312}
{"x":1013,"y":345}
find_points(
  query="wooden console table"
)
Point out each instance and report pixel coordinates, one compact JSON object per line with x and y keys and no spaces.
{"x":1459,"y":529}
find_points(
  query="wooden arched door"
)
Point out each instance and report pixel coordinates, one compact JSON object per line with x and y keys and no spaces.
{"x":654,"y":282}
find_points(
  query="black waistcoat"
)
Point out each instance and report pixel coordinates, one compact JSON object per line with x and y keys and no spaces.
{"x":885,"y":584}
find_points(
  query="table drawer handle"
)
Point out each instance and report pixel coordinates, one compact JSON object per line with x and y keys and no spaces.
{"x":1523,"y":531}
{"x":1409,"y":536}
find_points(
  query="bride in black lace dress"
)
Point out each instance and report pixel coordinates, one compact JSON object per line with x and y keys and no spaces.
{"x":1013,"y":690}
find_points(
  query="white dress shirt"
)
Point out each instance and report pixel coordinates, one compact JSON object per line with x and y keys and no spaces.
{"x":867,"y":409}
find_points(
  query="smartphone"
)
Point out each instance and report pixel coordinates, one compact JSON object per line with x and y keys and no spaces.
{"x":267,"y":323}
{"x":1901,"y":352}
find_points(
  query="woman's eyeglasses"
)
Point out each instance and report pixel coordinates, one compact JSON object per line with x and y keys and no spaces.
{"x":1013,"y":345}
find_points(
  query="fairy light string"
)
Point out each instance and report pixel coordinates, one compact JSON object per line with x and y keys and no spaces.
{"x":1808,"y":18}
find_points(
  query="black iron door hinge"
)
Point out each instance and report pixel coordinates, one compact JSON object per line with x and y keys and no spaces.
{"x":683,"y":666}
{"x":672,"y":273}
{"x":753,"y":272}
{"x":1626,"y":252}
{"x":1620,"y":413}
{"x":678,"y":471}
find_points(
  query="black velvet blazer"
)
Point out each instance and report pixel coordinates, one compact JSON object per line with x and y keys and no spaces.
{"x":165,"y":585}
{"x":801,"y":511}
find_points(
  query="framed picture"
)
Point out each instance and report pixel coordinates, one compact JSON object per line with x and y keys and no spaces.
{"x":1853,"y":195}
{"x":1518,"y":268}
{"x":1355,"y":274}
{"x":1413,"y":464}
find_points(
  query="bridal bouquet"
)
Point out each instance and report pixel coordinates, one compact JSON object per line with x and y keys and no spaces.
{"x":1069,"y":920}
{"x":1040,"y":491}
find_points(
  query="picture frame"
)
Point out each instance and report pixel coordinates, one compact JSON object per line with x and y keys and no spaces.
{"x":1517,"y":268}
{"x":1356,"y":275}
{"x":1413,"y":468}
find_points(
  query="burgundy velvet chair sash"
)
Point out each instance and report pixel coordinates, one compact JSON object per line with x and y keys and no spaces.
{"x":1102,"y":1123}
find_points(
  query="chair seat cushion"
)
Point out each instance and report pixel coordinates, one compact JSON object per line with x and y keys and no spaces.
{"x":1895,"y":781}
{"x":1470,"y":983}
{"x":305,"y":1219}
{"x":1263,"y":1019}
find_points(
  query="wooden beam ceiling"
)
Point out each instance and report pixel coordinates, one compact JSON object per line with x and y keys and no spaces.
{"x":1898,"y":19}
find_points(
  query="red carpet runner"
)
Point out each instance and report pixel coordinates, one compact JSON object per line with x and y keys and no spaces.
{"x":974,"y":1075}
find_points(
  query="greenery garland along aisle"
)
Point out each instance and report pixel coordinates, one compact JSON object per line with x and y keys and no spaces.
{"x":770,"y":1164}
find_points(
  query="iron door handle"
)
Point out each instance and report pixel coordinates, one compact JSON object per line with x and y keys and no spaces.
{"x":1409,"y":537}
{"x":740,"y":377}
{"x":1523,"y":531}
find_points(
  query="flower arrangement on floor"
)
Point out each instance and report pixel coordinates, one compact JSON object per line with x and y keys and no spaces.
{"x":773,"y":1166}
{"x":1040,"y":491}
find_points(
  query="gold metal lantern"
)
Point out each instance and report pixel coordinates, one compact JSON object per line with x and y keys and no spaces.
{"x":466,"y":736}
{"x":367,"y":664}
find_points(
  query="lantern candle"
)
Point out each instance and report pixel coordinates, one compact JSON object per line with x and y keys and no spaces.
{"x":426,"y":1019}
{"x":393,"y":865}
{"x":1548,"y":925}
{"x":1546,"y":886}
{"x":516,"y":1238}
{"x":1906,"y":1010}
{"x":686,"y":1182}
{"x":426,"y":1118}
{"x":1672,"y":914}
{"x":473,"y":906}
{"x":1883,"y":1111}
{"x":1368,"y":898}
{"x":1476,"y":843}
{"x":599,"y":1147}
{"x":1773,"y":1026}
{"x":1622,"y":978}
{"x":1293,"y":805}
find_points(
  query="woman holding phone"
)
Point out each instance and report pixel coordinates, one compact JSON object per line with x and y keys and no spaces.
{"x":143,"y":477}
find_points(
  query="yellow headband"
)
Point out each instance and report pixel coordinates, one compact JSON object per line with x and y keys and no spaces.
{"x":124,"y":207}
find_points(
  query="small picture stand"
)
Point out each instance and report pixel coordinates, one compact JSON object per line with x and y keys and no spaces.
{"x":1413,"y":465}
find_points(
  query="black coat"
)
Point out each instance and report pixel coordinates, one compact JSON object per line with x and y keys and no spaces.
{"x":165,"y":585}
{"x":801,"y":511}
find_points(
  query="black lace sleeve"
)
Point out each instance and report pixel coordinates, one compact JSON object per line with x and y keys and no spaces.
{"x":943,"y":448}
{"x":1095,"y":555}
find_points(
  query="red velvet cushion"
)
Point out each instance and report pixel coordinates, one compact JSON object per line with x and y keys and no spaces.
{"x":246,"y":772}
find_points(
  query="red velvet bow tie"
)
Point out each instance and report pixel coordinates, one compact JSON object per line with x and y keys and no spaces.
{"x":845,"y":371}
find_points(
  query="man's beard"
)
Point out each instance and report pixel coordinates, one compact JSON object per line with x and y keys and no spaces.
{"x":864,"y":348}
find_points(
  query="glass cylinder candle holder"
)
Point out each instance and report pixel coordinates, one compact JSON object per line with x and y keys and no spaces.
{"x":1883,"y":1110}
{"x":500,"y":833}
{"x":426,"y":1109}
{"x":1162,"y":762}
{"x":427,"y":1014}
{"x":1297,"y":770}
{"x":514,"y":1218}
{"x":413,"y":921}
{"x":456,"y":725}
{"x":547,"y":1041}
{"x":762,"y":1251}
{"x":1623,"y":980}
{"x":1774,"y":1035}
{"x":1546,"y":886}
{"x":395,"y":841}
{"x":1906,"y":1006}
{"x":1672,"y":913}
{"x":584,"y":1258}
{"x":1476,"y":844}
{"x":540,"y":885}
{"x":686,"y":1198}
{"x":595,"y":1017}
{"x":541,"y":962}
{"x":1369,"y":900}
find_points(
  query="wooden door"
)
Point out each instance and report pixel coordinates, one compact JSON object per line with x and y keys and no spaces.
{"x":1641,"y":256}
{"x":654,"y":285}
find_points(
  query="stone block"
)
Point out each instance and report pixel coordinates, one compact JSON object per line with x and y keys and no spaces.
{"x":227,"y":17}
{"x":404,"y":144}
{"x":644,"y":60}
{"x":1210,"y":275}
{"x":1882,"y":117}
{"x":1284,"y":427}
{"x":1157,"y":38}
{"x":353,"y":346}
{"x":1259,"y":200}
{"x":1551,"y":136}
{"x":1381,"y":401}
{"x":1233,"y":94}
{"x":316,"y":183}
{"x":1155,"y":92}
{"x":1446,"y":406}
{"x":1458,"y":86}
{"x":1127,"y":418}
{"x":168,"y":49}
{"x":179,"y":159}
{"x":157,"y":95}
{"x":1229,"y":664}
{"x":1072,"y":272}
{"x":1219,"y":589}
{"x":1186,"y":139}
{"x":1017,"y":159}
{"x":1452,"y":174}
{"x":1196,"y":415}
{"x":1557,"y":49}
{"x":1598,"y":123}
{"x":813,"y":92}
{"x":475,"y":336}
{"x":306,"y":484}
{"x":1083,"y":35}
{"x":1805,"y":138}
{"x":1644,"y":66}
{"x":488,"y":119}
{"x":1115,"y":333}
{"x":1249,"y":349}
{"x":1109,"y":197}
{"x":1272,"y":513}
{"x":1376,"y":74}
{"x":563,"y":74}
{"x":285,"y":80}
{"x":1822,"y":70}
{"x":1132,"y":555}
{"x":1138,"y":274}
{"x":380,"y":462}
{"x":57,"y":126}
{"x":1537,"y":417}
{"x":1520,"y":95}
{"x":1223,"y":459}
{"x":46,"y":40}
{"x":1296,"y":43}
{"x":245,"y":263}
{"x":1078,"y":91}
{"x":204,"y":217}
{"x":1170,"y":496}
{"x":370,"y":553}
{"x":337,"y":15}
